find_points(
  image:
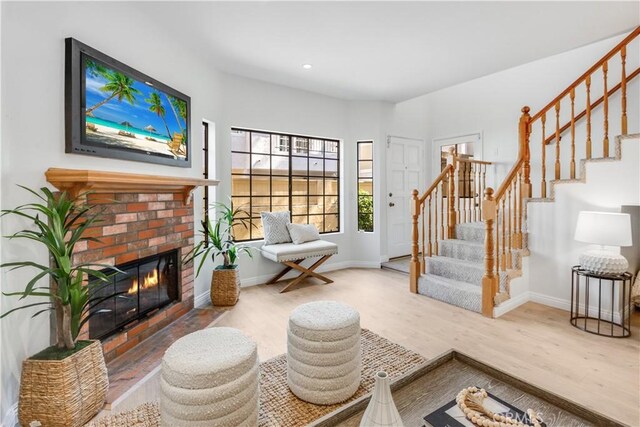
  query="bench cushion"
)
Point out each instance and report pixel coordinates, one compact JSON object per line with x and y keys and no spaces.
{"x":292,"y":252}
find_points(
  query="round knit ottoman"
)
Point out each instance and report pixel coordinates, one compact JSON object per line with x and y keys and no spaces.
{"x":323,"y":352}
{"x":210,"y":378}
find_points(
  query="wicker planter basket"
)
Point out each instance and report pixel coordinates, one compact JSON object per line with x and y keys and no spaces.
{"x":225,"y":286}
{"x":65,"y":393}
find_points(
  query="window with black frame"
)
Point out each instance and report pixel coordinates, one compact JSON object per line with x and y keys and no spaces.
{"x":279,"y":172}
{"x":205,"y":175}
{"x":365,"y":186}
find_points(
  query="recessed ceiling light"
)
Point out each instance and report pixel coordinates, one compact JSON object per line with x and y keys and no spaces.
{"x":307,"y":66}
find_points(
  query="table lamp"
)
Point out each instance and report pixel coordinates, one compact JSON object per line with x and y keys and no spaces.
{"x":604,"y":229}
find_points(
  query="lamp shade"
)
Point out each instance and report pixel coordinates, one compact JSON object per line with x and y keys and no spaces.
{"x":604,"y":228}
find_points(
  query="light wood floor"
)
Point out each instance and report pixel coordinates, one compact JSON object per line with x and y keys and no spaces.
{"x":533,"y":342}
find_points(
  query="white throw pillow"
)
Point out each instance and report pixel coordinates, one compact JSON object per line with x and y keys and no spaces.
{"x":275,"y":229}
{"x":301,"y":233}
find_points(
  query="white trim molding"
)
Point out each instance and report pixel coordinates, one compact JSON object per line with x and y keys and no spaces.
{"x":511,"y":304}
{"x":549,"y":301}
{"x":203,"y":299}
{"x":259,"y":280}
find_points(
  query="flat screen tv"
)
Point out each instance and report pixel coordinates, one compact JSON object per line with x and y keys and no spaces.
{"x":115,"y":111}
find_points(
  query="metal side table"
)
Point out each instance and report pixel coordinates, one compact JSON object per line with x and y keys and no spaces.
{"x":588,"y":287}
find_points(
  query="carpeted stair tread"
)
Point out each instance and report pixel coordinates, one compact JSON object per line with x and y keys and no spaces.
{"x":466,"y":250}
{"x":454,"y":292}
{"x":462,"y":249}
{"x":460,"y":270}
{"x":471,"y":231}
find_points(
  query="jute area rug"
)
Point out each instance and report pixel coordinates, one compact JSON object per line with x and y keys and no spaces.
{"x":278,"y":406}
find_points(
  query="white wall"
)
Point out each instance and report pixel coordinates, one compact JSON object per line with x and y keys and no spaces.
{"x":492,"y":104}
{"x":33,"y":133}
{"x":256,"y":105}
{"x":33,"y":136}
{"x":609,"y":185}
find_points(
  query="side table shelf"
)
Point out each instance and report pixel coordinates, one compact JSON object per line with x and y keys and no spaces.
{"x":587,"y":289}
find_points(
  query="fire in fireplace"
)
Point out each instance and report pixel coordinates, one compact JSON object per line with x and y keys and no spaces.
{"x":143,"y":286}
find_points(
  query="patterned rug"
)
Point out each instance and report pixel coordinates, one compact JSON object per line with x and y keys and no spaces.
{"x":278,"y":406}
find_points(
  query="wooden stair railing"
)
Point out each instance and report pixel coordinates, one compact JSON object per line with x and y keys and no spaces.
{"x":454,"y":197}
{"x":583,"y":113}
{"x":503,"y":209}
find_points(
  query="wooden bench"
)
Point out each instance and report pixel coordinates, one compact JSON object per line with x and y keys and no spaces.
{"x":292,"y":255}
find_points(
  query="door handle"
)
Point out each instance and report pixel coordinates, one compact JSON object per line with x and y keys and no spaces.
{"x":391,"y":204}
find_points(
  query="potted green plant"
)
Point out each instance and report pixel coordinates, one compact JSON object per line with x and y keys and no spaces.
{"x":219,"y":241}
{"x":65,"y":384}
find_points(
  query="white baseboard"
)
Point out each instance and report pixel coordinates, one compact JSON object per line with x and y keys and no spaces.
{"x":565,"y":305}
{"x":11,"y":417}
{"x":202,"y":299}
{"x":549,"y":301}
{"x":555,"y":302}
{"x":258,"y":280}
{"x":511,"y":304}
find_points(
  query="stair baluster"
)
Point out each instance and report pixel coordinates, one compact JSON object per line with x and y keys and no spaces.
{"x":572,"y":171}
{"x":605,"y":141}
{"x":519,"y":232}
{"x":543,"y":186}
{"x":414,"y":266}
{"x":435,"y":228}
{"x":623,"y":90}
{"x":512,"y":214}
{"x":588,"y":110}
{"x":423,"y":268}
{"x":558,"y":140}
{"x":451,"y":215}
{"x":442,"y":217}
{"x":504,"y":256}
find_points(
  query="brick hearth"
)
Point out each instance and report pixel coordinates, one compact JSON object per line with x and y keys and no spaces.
{"x":136,"y":226}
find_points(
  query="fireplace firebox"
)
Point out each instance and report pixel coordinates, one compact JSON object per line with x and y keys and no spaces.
{"x":141,"y":287}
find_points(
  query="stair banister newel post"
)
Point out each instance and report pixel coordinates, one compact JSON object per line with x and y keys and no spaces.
{"x":414,"y":268}
{"x":451,"y":211}
{"x":489,"y":279}
{"x":524,"y":131}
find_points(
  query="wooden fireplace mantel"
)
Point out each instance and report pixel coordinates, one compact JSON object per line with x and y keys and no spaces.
{"x":78,"y":181}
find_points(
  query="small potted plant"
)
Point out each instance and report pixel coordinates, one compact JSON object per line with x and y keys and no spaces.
{"x":65,"y":384}
{"x":219,"y":241}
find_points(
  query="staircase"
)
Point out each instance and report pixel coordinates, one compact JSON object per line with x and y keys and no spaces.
{"x":455,"y":276}
{"x":468,"y":240}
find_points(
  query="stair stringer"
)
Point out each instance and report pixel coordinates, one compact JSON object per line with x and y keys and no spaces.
{"x":531,"y":267}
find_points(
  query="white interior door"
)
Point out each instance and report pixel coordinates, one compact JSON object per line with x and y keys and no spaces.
{"x":405,"y":161}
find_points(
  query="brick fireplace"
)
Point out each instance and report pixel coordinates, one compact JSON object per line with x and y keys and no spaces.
{"x":145,"y":217}
{"x":137,"y":226}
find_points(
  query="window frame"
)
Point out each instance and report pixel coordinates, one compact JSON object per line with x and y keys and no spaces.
{"x":366,"y":178}
{"x":296,"y":146}
{"x":205,"y":175}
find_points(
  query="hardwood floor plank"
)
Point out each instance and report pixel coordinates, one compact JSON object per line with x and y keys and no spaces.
{"x":534,"y":343}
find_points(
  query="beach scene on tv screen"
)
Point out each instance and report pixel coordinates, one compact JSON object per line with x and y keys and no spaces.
{"x":124,"y":113}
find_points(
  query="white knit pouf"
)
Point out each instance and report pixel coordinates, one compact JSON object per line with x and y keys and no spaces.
{"x":210,"y":378}
{"x":323,"y":352}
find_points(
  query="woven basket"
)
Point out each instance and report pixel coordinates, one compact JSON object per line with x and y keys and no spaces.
{"x":225,"y":286}
{"x":65,"y":393}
